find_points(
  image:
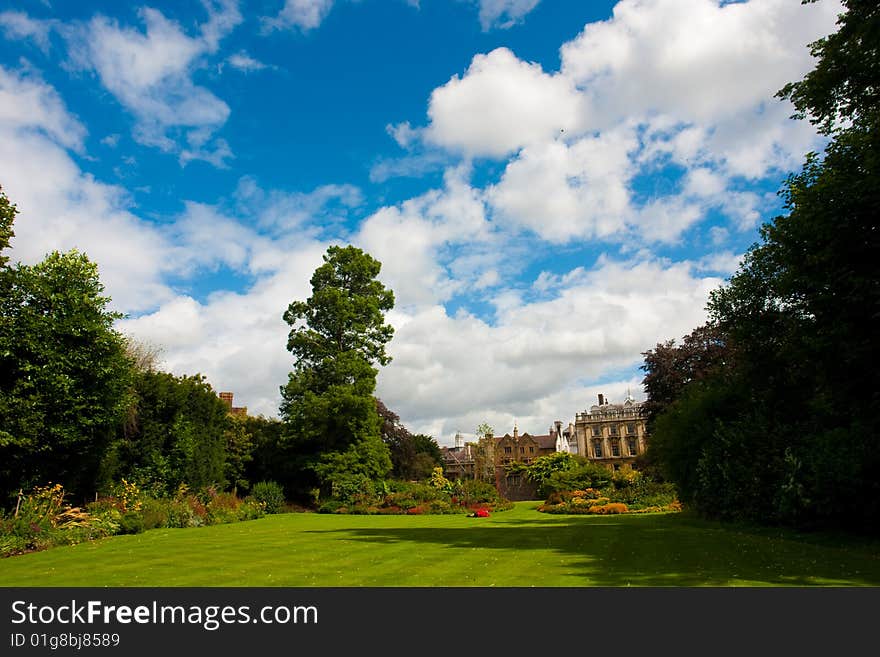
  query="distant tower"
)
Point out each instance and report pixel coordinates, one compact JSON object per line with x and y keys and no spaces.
{"x":459,"y":439}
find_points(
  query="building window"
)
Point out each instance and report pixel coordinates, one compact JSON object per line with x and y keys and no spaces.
{"x":531,"y":450}
{"x":507,"y":450}
{"x":615,"y":448}
{"x":597,"y":449}
{"x":613,"y":429}
{"x":633,"y":447}
{"x":597,"y":431}
{"x":630,"y":429}
{"x":522,"y":450}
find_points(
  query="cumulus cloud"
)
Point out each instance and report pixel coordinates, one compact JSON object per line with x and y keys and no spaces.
{"x":540,"y":360}
{"x":415,"y":260}
{"x":563,"y":191}
{"x":698,"y":60}
{"x":29,"y":105}
{"x":662,"y":82}
{"x":500,"y":105}
{"x":60,"y":207}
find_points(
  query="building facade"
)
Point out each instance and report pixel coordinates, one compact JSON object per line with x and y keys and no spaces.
{"x":490,"y":458}
{"x":612,"y":434}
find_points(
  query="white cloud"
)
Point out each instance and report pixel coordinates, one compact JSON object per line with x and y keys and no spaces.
{"x":244,"y":62}
{"x":686,"y":82}
{"x":18,"y":25}
{"x":304,"y":15}
{"x":696,"y":60}
{"x":237,"y":340}
{"x":60,"y":207}
{"x":563,"y":191}
{"x":151,"y":73}
{"x":27,"y":104}
{"x":500,"y":105}
{"x":724,"y":262}
{"x":409,"y":240}
{"x":504,"y":13}
{"x":537,"y":362}
{"x":403,"y":133}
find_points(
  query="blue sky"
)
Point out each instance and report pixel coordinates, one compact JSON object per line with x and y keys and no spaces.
{"x":552,"y":187}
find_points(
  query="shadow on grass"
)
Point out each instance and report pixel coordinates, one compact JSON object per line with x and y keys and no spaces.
{"x":657,"y":550}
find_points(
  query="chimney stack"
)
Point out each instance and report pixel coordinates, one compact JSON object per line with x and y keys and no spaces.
{"x":601,"y":399}
{"x":226,"y":397}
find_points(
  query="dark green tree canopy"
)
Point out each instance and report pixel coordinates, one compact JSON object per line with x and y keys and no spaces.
{"x":332,"y":427}
{"x":844,"y":86}
{"x":345,"y":312}
{"x":787,"y":430}
{"x":64,"y":373}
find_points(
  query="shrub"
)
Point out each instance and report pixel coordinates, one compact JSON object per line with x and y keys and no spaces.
{"x":44,"y":520}
{"x":270,"y":494}
{"x":131,"y":523}
{"x":612,"y":507}
{"x":582,"y":476}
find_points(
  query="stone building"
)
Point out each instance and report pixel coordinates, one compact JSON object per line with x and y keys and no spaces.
{"x":489,"y":458}
{"x":612,"y":434}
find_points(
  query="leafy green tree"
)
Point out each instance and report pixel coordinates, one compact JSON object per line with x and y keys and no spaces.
{"x":63,"y":371}
{"x":239,"y":452}
{"x":180,"y":435}
{"x":7,"y":217}
{"x":269,"y":460}
{"x":413,"y":457}
{"x":544,"y":466}
{"x":669,"y":367}
{"x":797,"y":415}
{"x":843,"y":89}
{"x":484,"y":454}
{"x":337,"y":336}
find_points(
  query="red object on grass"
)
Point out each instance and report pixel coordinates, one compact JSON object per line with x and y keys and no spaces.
{"x":481,"y":513}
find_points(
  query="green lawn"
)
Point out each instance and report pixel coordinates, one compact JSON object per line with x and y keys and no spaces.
{"x":520,"y":547}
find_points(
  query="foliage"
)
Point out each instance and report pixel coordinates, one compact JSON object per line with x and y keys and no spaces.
{"x":238,"y":451}
{"x":786,"y":433}
{"x":583,"y":475}
{"x":7,"y":217}
{"x":844,"y":87}
{"x":669,"y":367}
{"x":440,"y":482}
{"x":359,"y":495}
{"x":413,"y":457}
{"x":180,"y":435}
{"x":624,"y":491}
{"x":43,"y":519}
{"x":269,"y":494}
{"x":267,"y":460}
{"x":63,"y":370}
{"x":544,"y":466}
{"x":337,"y":334}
